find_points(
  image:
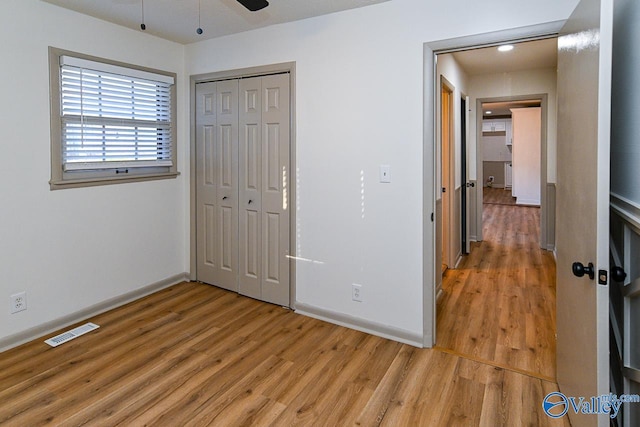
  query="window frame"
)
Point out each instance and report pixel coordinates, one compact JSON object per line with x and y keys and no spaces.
{"x":61,"y":179}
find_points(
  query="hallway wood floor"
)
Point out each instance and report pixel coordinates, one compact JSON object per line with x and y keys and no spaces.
{"x":499,"y":305}
{"x":196,"y":355}
{"x":497,"y":196}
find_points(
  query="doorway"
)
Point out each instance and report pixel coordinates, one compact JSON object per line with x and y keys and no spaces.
{"x":447,"y":146}
{"x":498,"y":157}
{"x":491,"y":283}
{"x":241,"y":191}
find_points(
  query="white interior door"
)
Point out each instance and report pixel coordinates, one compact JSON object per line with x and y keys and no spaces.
{"x":584,"y":94}
{"x":264,"y":181}
{"x":250,"y":152}
{"x":217,"y":183}
{"x":242,"y":183}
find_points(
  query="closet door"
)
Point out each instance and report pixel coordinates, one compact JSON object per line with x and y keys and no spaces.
{"x":264,"y":181}
{"x":250,"y":153}
{"x":217,"y":183}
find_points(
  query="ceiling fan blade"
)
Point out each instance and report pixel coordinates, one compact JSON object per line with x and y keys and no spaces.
{"x":254,"y":5}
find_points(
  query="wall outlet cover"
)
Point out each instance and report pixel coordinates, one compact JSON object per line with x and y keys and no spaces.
{"x":356,"y":292}
{"x":18,"y":302}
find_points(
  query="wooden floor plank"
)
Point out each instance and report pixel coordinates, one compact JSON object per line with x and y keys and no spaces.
{"x":220,"y":359}
{"x":499,"y":304}
{"x":497,"y":196}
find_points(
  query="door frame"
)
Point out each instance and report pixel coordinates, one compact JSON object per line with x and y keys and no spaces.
{"x":465,"y":243}
{"x":240,"y":73}
{"x":430,"y":144}
{"x":544,"y":201}
{"x":447,"y":159}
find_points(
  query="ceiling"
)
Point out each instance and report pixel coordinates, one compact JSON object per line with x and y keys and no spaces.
{"x":177,"y":20}
{"x":499,"y":109}
{"x":525,"y":56}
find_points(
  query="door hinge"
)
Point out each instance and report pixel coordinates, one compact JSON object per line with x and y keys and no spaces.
{"x":603,"y":276}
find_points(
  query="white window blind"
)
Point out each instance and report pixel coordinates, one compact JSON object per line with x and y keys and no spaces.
{"x":113,"y":117}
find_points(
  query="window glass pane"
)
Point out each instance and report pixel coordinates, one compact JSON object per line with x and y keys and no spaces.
{"x":108,"y":118}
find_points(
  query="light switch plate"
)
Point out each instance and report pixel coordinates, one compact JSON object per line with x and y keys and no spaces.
{"x":385,"y":173}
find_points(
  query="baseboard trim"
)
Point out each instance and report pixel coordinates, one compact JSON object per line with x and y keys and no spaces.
{"x":62,"y":322}
{"x":359,"y":324}
{"x":528,"y":202}
{"x":458,"y":260}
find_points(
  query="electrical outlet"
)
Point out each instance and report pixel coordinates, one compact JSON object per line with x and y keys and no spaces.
{"x":18,"y":302}
{"x":356,"y":292}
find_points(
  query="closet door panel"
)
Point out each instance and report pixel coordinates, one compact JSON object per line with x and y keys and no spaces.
{"x":250,"y":151}
{"x":217,"y":183}
{"x":275,"y":173}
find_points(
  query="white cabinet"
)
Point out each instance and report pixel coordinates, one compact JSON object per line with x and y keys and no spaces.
{"x":494,"y":126}
{"x":499,"y":125}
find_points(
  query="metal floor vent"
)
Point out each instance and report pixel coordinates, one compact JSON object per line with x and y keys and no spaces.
{"x":69,"y":335}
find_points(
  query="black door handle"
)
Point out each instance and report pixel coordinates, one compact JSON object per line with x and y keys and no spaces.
{"x":618,"y":274}
{"x":471,"y":184}
{"x":580,"y":270}
{"x":250,"y":201}
{"x":444,"y":190}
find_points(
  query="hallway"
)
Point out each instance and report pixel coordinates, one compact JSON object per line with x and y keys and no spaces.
{"x":498,"y":307}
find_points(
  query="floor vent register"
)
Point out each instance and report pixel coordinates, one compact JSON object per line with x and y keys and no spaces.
{"x":73,"y":333}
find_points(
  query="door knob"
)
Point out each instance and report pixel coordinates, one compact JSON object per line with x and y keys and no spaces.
{"x":618,"y":274}
{"x":580,"y":270}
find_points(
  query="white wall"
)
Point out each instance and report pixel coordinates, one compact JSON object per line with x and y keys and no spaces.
{"x":71,"y":249}
{"x":516,"y":84}
{"x":495,"y":149}
{"x":359,"y":104}
{"x":526,"y":155}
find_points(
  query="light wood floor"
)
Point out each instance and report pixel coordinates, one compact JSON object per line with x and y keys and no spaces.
{"x":497,"y":196}
{"x":499,"y":305}
{"x":195,"y":355}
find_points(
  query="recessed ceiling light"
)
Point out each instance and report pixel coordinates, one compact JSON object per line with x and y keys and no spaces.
{"x":488,"y":112}
{"x":505,"y":48}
